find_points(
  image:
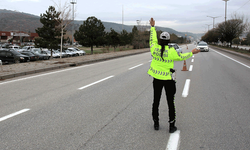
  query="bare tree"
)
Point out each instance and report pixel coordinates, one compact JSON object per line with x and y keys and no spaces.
{"x":65,"y":19}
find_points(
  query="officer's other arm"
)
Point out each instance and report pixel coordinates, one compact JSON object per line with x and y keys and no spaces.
{"x":195,"y":51}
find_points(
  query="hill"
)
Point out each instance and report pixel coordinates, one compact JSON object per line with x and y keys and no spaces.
{"x":20,"y":21}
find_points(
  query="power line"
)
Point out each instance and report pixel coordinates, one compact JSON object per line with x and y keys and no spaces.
{"x":243,"y":5}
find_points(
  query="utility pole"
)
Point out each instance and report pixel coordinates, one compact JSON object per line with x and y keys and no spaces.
{"x":73,"y":2}
{"x":213,"y":19}
{"x":225,"y":9}
{"x":208,"y":26}
{"x":122,"y":17}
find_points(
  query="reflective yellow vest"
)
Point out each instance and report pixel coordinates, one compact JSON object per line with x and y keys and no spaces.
{"x":159,"y":68}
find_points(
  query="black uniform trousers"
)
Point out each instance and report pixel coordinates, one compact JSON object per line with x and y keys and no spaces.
{"x":170,"y":90}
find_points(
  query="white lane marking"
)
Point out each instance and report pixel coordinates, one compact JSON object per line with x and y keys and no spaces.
{"x":44,"y":74}
{"x":193,"y":56}
{"x":95,"y":82}
{"x":190,"y":67}
{"x":150,"y":61}
{"x":192,"y":60}
{"x":135,"y":66}
{"x":14,"y":114}
{"x":173,"y":141}
{"x":232,"y":59}
{"x":186,"y":88}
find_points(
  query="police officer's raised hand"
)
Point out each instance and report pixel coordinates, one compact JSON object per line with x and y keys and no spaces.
{"x":195,"y":51}
{"x":152,"y":22}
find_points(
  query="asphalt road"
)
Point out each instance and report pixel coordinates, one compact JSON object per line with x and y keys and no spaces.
{"x":107,"y":105}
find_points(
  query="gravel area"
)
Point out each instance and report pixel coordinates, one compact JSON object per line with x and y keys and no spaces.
{"x":21,"y":69}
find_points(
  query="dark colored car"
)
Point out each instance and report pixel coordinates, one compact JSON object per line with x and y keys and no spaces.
{"x":12,"y":56}
{"x":31,"y":55}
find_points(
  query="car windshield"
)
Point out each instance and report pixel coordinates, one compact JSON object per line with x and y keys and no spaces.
{"x":36,"y":50}
{"x":15,"y":52}
{"x":25,"y":47}
{"x":203,"y":44}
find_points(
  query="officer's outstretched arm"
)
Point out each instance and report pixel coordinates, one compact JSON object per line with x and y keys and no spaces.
{"x":153,"y":35}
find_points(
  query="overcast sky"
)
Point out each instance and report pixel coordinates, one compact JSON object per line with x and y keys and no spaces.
{"x":180,"y":15}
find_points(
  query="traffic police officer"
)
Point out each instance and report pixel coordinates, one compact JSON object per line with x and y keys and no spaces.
{"x":161,"y":69}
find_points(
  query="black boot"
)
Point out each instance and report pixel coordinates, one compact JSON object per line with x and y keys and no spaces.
{"x":156,"y":124}
{"x":172,"y":127}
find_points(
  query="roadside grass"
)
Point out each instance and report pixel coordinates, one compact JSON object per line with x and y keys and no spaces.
{"x":235,"y":49}
{"x":99,"y":50}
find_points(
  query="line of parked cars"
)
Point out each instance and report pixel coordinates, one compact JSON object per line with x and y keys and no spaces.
{"x":29,"y":53}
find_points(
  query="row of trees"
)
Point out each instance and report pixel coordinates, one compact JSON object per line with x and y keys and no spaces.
{"x":91,"y":33}
{"x":228,"y":31}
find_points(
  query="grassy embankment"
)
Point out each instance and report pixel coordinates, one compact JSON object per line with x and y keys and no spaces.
{"x":239,"y":50}
{"x":99,"y":50}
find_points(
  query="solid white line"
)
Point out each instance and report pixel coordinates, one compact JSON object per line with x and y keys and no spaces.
{"x":173,"y":141}
{"x":135,"y":66}
{"x":186,"y":88}
{"x":192,"y":60}
{"x":13,"y":114}
{"x":190,"y":67}
{"x":232,"y":59}
{"x":44,"y":74}
{"x":95,"y":83}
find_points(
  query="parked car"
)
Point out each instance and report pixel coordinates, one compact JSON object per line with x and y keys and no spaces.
{"x":59,"y":53}
{"x":74,"y":51}
{"x":202,"y":46}
{"x":25,"y":48}
{"x":37,"y":52}
{"x":48,"y":53}
{"x":69,"y":53}
{"x":31,"y":55}
{"x":10,"y":55}
{"x":176,"y":47}
{"x":80,"y":52}
{"x":15,"y":47}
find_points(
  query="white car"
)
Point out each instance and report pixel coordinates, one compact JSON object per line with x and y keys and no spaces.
{"x":78,"y":51}
{"x":176,"y":47}
{"x":202,"y":46}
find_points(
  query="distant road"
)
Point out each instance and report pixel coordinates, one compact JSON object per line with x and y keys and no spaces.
{"x":107,"y":105}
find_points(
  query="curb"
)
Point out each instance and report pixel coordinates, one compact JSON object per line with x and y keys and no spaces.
{"x":13,"y":75}
{"x":232,"y":52}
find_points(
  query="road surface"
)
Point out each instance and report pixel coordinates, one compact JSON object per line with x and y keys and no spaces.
{"x":107,"y":105}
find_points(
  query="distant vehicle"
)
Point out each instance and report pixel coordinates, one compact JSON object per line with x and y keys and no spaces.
{"x":48,"y":53}
{"x":69,"y":53}
{"x":202,"y":46}
{"x":76,"y":50}
{"x":25,"y":48}
{"x":59,"y":53}
{"x":15,"y":47}
{"x":37,"y":52}
{"x":176,"y":47}
{"x":12,"y":56}
{"x":31,"y":55}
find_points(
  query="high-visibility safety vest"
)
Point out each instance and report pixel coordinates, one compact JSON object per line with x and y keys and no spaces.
{"x":160,"y":68}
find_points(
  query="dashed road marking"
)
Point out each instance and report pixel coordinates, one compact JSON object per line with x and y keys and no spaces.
{"x":190,"y":67}
{"x":14,"y":114}
{"x":173,"y":141}
{"x":135,"y":66}
{"x":186,"y":88}
{"x":95,"y":82}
